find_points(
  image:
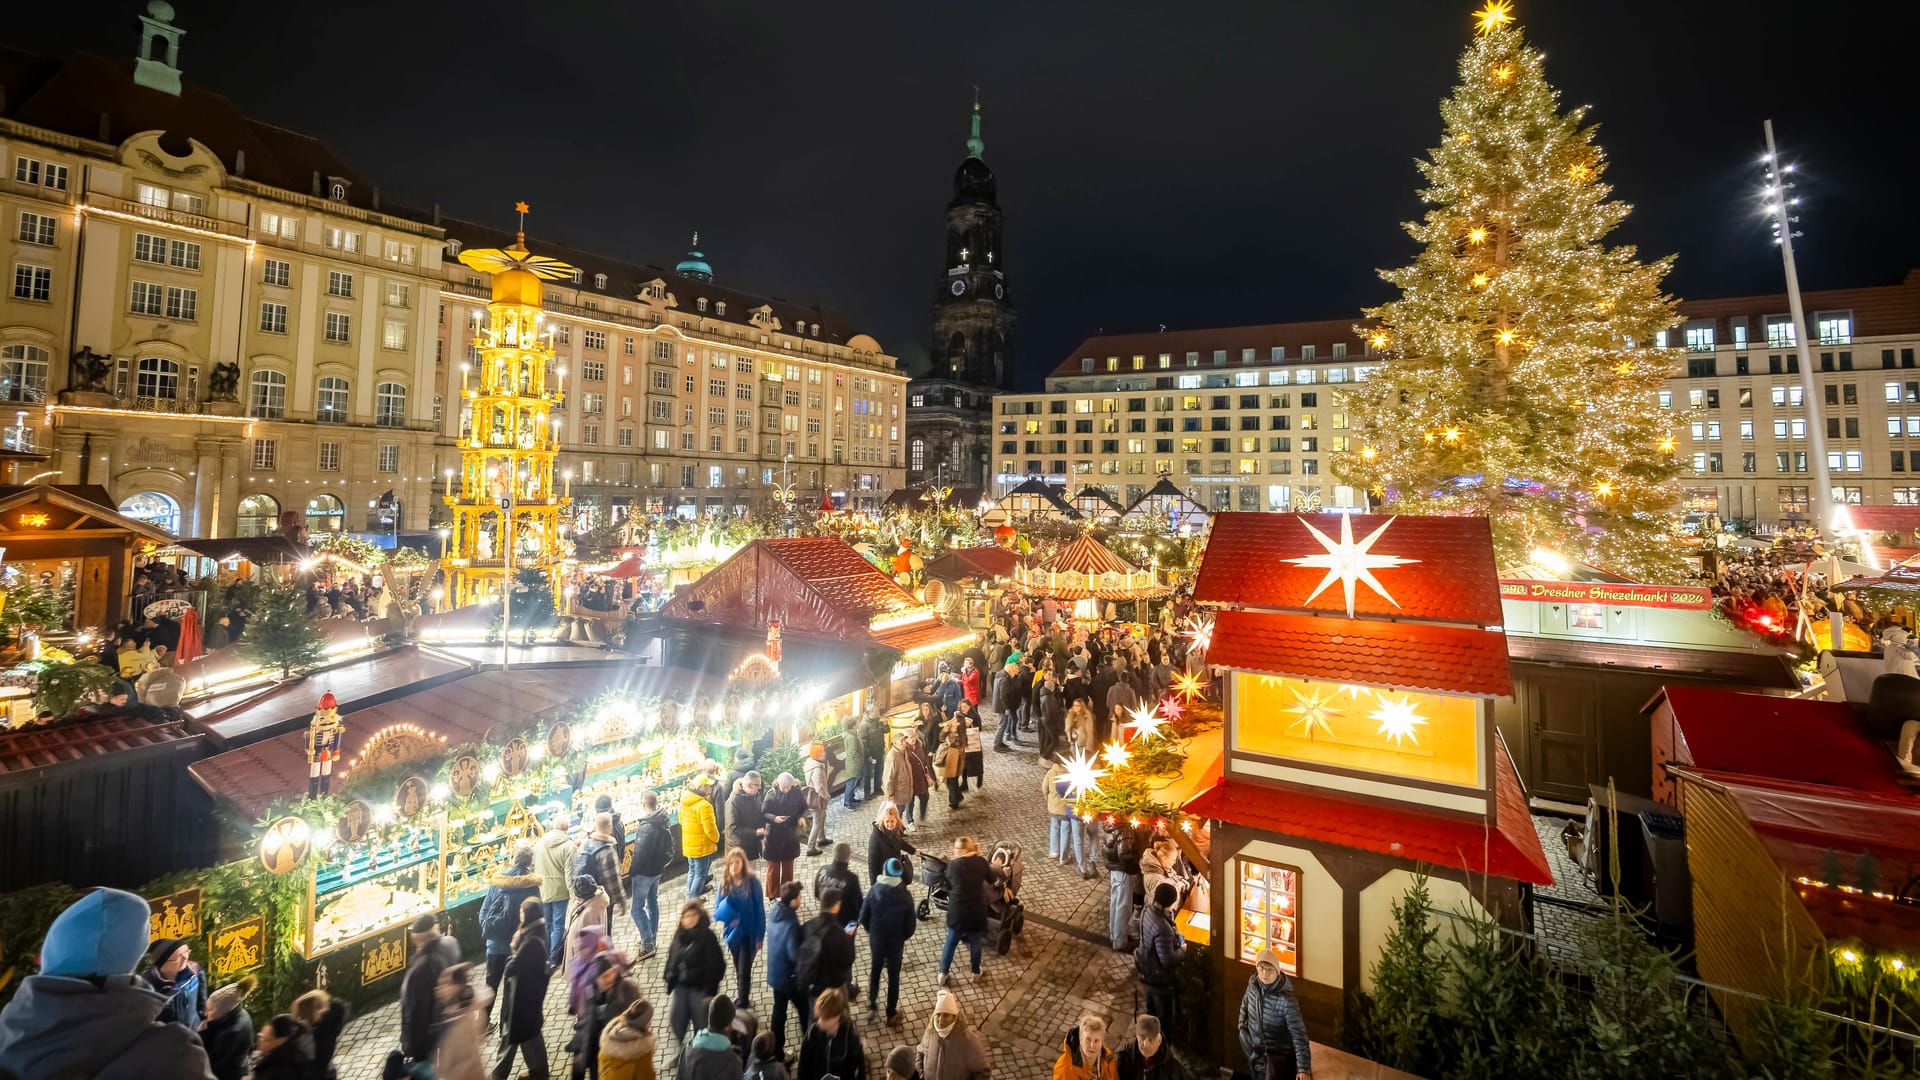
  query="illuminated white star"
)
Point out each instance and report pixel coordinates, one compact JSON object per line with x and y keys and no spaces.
{"x":1199,"y":633}
{"x":1398,"y":719}
{"x":1116,"y":754}
{"x":1082,"y":776}
{"x":1312,"y":710}
{"x":1146,"y":721}
{"x":1348,"y":562}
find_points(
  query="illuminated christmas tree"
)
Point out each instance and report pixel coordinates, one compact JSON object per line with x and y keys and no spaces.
{"x":1525,"y":373}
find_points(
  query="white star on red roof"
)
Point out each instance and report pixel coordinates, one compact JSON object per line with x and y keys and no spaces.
{"x":1348,"y":562}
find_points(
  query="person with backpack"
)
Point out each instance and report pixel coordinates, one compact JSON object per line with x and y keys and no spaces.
{"x":839,"y":874}
{"x":652,"y":854}
{"x":603,"y":804}
{"x":599,"y":858}
{"x":500,"y":916}
{"x":1160,"y":953}
{"x":826,"y":952}
{"x":887,"y":915}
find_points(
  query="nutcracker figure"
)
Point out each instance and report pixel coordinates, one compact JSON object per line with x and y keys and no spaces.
{"x":773,"y":643}
{"x":323,"y":745}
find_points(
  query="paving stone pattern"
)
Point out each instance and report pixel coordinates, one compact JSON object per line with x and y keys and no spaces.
{"x":1060,"y":968}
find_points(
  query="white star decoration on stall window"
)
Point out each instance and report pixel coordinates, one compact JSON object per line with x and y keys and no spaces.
{"x":1398,"y":719}
{"x":1312,"y":710}
{"x":1348,"y":562}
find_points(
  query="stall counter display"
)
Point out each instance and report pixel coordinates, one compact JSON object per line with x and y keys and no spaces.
{"x":481,"y":845}
{"x":1268,"y":913}
{"x":364,"y":887}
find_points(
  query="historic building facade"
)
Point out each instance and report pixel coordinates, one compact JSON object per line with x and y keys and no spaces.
{"x":685,"y":395}
{"x":207,"y":315}
{"x":972,"y":344}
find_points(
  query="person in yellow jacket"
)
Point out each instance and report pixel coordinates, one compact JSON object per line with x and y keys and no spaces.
{"x":699,"y":833}
{"x":626,"y":1049}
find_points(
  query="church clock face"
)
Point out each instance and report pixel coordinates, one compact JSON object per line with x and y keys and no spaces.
{"x":999,"y":291}
{"x":958,"y":288}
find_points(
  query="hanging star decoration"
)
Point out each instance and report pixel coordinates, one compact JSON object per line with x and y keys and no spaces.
{"x":1082,"y":775}
{"x":1171,"y":708}
{"x":1497,"y":14}
{"x":1199,"y":632}
{"x":1115,"y":754}
{"x":1398,"y":719}
{"x":1189,"y":685}
{"x":1350,"y":563}
{"x":1311,"y":710}
{"x":1145,"y":722}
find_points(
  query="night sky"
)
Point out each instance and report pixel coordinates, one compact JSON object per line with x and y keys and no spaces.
{"x":1192,"y":165}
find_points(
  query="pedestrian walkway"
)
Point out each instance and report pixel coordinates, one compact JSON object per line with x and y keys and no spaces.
{"x":1060,"y":968}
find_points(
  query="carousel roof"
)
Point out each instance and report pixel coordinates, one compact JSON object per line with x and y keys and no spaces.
{"x":1085,"y":569}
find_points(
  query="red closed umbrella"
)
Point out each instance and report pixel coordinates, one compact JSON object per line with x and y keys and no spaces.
{"x":191,"y":646}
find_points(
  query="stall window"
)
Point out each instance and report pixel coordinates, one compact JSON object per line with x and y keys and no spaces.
{"x":1587,"y":616}
{"x":1268,"y":903}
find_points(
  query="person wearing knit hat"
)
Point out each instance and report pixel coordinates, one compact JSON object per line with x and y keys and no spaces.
{"x":228,"y":1032}
{"x":709,"y":1054}
{"x":174,"y":975}
{"x":1273,"y":1034}
{"x":950,"y":1049}
{"x":1161,"y":952}
{"x":900,"y":1063}
{"x":84,"y":1013}
{"x":887,"y":915}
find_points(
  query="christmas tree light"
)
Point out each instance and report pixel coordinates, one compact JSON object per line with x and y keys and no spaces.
{"x":1525,"y":375}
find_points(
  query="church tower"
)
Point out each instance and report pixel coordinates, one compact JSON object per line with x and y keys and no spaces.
{"x":973,"y":312}
{"x":948,"y":439}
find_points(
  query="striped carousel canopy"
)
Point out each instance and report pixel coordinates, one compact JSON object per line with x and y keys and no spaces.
{"x":1085,"y":569}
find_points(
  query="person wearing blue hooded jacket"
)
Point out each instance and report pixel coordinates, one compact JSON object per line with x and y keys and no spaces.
{"x":85,"y":1013}
{"x":784,"y":934}
{"x":742,"y":916}
{"x":887,"y":914}
{"x":500,"y":916}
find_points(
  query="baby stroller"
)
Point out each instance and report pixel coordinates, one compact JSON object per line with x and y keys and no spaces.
{"x":1006,"y":915}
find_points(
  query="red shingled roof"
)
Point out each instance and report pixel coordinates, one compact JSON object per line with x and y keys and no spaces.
{"x":1407,"y":655}
{"x":1781,"y":738}
{"x":1454,"y":579}
{"x":817,"y":586}
{"x":1508,"y":849}
{"x":920,"y":635}
{"x":1885,"y":518}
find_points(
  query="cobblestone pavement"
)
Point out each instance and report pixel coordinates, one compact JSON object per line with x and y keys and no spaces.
{"x":1061,"y":967}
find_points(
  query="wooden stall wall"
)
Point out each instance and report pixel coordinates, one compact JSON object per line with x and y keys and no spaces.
{"x":1750,"y":930}
{"x":121,"y":820}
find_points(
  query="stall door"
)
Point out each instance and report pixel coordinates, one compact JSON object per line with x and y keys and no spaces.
{"x":1563,"y":734}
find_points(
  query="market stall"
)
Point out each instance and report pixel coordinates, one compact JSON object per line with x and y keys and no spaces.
{"x":1084,"y":571}
{"x":1362,"y":656}
{"x":969,"y":579}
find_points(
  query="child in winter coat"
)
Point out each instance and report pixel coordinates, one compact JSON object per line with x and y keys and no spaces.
{"x":765,"y":1062}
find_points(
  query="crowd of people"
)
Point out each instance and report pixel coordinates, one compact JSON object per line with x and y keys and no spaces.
{"x":760,"y":969}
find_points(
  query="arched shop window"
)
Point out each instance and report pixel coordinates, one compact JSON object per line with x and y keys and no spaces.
{"x":153,"y":508}
{"x":325,"y":514}
{"x":259,"y":515}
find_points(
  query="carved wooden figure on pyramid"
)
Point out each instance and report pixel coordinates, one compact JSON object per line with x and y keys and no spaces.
{"x":323,"y":745}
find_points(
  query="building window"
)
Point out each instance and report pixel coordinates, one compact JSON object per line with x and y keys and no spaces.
{"x":325,"y":513}
{"x":183,"y":255}
{"x":329,"y":456}
{"x":339,"y":284}
{"x":590,"y":434}
{"x":23,"y":373}
{"x":398,"y":294}
{"x":917,"y":456}
{"x":339,"y":327}
{"x":1834,"y":327}
{"x":266,"y":453}
{"x":593,"y":370}
{"x":331,"y":405}
{"x":393,"y":334}
{"x":390,"y":405}
{"x":268,"y":397}
{"x":257,"y":515}
{"x":388,"y":460}
{"x":277,"y":273}
{"x":278,"y":224}
{"x":154,"y":508}
{"x":182,"y":304}
{"x":32,"y":282}
{"x":157,"y":378}
{"x":36,"y":229}
{"x":273,"y":317}
{"x":595,"y":339}
{"x":28,"y":170}
{"x":626,"y":436}
{"x":1268,"y":900}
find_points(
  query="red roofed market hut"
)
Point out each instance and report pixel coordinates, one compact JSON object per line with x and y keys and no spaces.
{"x":1362,"y":656}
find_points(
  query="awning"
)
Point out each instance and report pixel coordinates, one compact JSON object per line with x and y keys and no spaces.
{"x":1510,"y":849}
{"x":254,"y":549}
{"x":920,"y":639}
{"x":1403,"y":655}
